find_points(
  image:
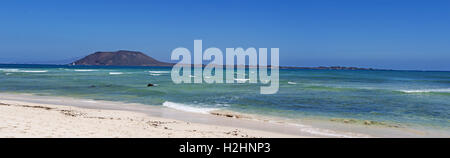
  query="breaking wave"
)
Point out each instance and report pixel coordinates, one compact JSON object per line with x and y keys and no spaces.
{"x":116,"y":73}
{"x":18,"y":70}
{"x":84,"y":70}
{"x":447,"y":90}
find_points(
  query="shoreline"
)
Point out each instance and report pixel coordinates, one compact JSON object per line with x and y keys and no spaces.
{"x":227,"y":122}
{"x":19,"y":119}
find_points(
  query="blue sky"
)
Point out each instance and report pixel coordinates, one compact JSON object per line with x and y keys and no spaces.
{"x":394,"y":34}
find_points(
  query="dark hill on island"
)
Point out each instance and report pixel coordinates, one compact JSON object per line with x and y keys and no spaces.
{"x":120,"y":58}
{"x":133,"y":58}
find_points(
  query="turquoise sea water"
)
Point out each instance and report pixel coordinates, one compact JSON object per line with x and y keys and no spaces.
{"x":404,"y":97}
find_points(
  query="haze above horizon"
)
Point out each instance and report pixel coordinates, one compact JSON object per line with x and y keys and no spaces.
{"x":385,"y":34}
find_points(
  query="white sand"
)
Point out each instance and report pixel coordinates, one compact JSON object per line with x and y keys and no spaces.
{"x":27,"y":115}
{"x":20,"y":119}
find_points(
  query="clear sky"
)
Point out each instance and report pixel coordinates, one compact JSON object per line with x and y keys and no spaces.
{"x":394,"y":34}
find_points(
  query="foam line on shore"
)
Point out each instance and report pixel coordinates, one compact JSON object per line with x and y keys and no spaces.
{"x":188,"y":108}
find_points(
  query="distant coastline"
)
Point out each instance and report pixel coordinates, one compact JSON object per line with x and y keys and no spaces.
{"x":281,"y":67}
{"x":125,"y":58}
{"x":135,"y":58}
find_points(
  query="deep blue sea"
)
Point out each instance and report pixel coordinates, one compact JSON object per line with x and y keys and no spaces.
{"x":404,"y":97}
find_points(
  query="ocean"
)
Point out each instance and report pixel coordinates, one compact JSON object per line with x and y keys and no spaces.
{"x":406,"y":98}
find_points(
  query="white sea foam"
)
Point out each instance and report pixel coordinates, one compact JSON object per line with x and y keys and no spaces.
{"x":18,"y":70}
{"x":84,"y":70}
{"x":89,"y":101}
{"x":116,"y":73}
{"x":42,"y":71}
{"x":188,"y":108}
{"x":292,"y":83}
{"x":158,"y":73}
{"x":427,"y":91}
{"x":9,"y":70}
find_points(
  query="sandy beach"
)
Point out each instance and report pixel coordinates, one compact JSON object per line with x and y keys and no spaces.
{"x":25,"y":115}
{"x":19,"y":119}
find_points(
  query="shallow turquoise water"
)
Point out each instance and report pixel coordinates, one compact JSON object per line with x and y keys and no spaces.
{"x":407,"y":97}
